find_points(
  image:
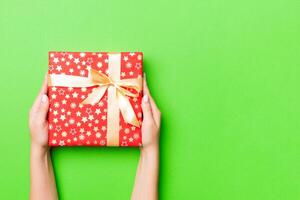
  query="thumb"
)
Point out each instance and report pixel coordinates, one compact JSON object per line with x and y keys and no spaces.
{"x":44,"y":105}
{"x":146,"y":107}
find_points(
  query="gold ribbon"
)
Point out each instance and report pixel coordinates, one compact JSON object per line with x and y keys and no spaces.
{"x":117,"y":97}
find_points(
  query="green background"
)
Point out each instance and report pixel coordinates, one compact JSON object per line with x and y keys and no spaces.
{"x":225,"y":75}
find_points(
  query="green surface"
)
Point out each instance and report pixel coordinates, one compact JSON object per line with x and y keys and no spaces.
{"x":224,"y":73}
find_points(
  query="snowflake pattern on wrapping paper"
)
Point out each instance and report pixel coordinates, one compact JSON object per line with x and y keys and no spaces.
{"x":74,"y":124}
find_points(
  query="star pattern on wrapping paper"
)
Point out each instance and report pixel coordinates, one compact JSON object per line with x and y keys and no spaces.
{"x":70,"y":122}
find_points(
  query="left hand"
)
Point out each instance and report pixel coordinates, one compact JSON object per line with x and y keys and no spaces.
{"x":38,"y":123}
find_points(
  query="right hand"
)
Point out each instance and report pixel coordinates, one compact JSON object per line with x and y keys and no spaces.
{"x":151,"y":121}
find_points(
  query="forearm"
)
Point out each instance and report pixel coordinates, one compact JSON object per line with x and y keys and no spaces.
{"x":146,"y":182}
{"x":42,"y":181}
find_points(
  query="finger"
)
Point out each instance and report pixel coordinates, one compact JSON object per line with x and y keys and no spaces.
{"x":43,"y":90}
{"x":145,"y":86}
{"x":146,"y":107}
{"x":147,"y":91}
{"x":45,"y":85}
{"x":155,"y":110}
{"x":154,"y":107}
{"x":43,"y":108}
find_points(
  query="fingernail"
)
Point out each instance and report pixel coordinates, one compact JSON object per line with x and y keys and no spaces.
{"x":44,"y":98}
{"x":145,"y":98}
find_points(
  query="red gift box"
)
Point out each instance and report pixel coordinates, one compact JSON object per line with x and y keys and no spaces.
{"x":95,"y":98}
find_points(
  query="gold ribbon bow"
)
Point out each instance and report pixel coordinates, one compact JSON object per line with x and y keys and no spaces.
{"x":122,"y":93}
{"x":117,"y":97}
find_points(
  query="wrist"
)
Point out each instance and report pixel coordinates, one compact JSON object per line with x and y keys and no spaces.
{"x":151,"y":149}
{"x":38,"y":150}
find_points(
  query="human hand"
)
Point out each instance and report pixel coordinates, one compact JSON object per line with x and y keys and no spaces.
{"x":38,"y":123}
{"x":146,"y":181}
{"x":151,"y":121}
{"x":42,"y":180}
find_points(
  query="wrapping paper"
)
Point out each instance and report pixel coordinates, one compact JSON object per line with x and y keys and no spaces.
{"x":72,"y":123}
